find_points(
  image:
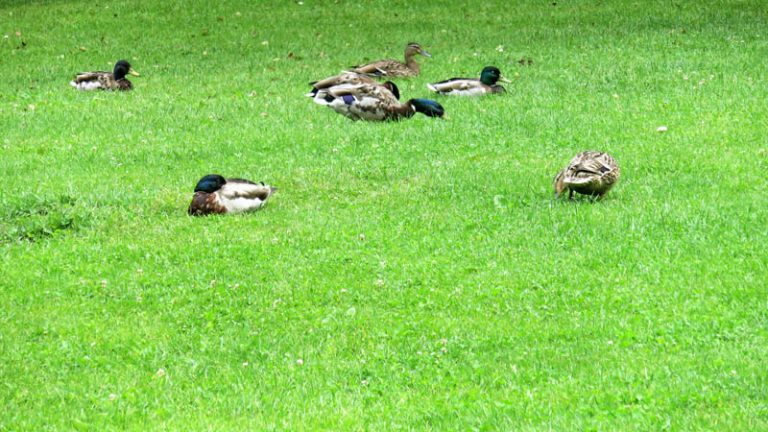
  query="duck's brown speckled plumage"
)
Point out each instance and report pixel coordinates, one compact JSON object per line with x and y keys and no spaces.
{"x":204,"y":203}
{"x":394,"y":68}
{"x":350,"y":78}
{"x":343,"y":78}
{"x":589,"y":173}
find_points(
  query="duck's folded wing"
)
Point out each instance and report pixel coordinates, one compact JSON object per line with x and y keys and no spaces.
{"x":454,"y":84}
{"x":355,"y":93}
{"x":366,"y":69}
{"x":89,"y":76}
{"x":586,"y":170}
{"x":590,"y":165}
{"x":346,"y":90}
{"x":375,"y":91}
{"x":377,"y":68}
{"x":240,"y":188}
{"x":341,"y":94}
{"x":343,"y":78}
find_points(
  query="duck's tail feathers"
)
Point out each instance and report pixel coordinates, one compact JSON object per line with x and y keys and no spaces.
{"x":323,"y":98}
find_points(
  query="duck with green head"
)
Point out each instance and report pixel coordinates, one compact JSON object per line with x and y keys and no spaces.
{"x":394,"y":68}
{"x":486,"y":84}
{"x":101,"y":80}
{"x":216,"y":195}
{"x":374,"y":103}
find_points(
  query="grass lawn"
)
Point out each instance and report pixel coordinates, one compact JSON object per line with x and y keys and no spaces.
{"x":406,"y":276}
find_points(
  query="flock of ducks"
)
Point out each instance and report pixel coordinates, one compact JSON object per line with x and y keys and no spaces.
{"x":357,"y":94}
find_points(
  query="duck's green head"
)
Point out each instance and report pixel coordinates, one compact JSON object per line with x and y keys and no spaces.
{"x":414,"y":48}
{"x":491,"y":75}
{"x":123,"y":68}
{"x":210,"y":183}
{"x":427,"y":107}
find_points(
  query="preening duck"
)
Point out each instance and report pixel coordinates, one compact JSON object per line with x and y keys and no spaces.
{"x":472,"y":86}
{"x":216,"y":195}
{"x":588,"y":173}
{"x":394,"y":68}
{"x":101,"y":80}
{"x":374,"y":103}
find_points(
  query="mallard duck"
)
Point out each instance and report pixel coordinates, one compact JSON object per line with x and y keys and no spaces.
{"x":589,"y":173}
{"x":374,"y":103}
{"x":100,"y":80}
{"x":353,"y":78}
{"x":472,"y":86}
{"x":394,"y":68}
{"x":214,"y":195}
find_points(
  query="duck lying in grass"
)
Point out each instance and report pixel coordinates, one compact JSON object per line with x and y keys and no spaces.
{"x":394,"y":68}
{"x":374,"y":103}
{"x":472,"y":86}
{"x":216,"y":195}
{"x":588,"y":173}
{"x":100,"y":80}
{"x":352,"y":78}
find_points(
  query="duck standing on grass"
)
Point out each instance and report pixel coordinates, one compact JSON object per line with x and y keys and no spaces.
{"x":394,"y":68}
{"x":100,"y":80}
{"x":588,"y":173}
{"x":472,"y":86}
{"x":216,"y":195}
{"x":352,"y":78}
{"x":374,"y":103}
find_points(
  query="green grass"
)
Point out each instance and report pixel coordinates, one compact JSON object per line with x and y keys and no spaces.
{"x":420,"y":271}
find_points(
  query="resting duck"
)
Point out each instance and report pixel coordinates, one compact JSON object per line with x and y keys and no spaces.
{"x":353,"y":78}
{"x":589,"y":173}
{"x":394,"y":68}
{"x":99,"y":80}
{"x":472,"y":86}
{"x":374,"y":103}
{"x":215,"y":195}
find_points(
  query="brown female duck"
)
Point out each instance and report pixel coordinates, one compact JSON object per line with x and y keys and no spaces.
{"x":588,"y":173}
{"x":394,"y":68}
